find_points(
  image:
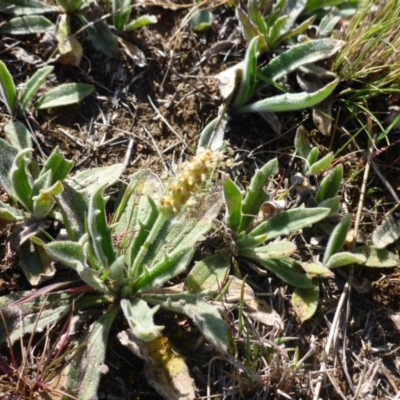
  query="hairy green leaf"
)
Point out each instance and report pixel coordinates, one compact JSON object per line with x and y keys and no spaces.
{"x":35,"y":263}
{"x":378,"y":258}
{"x":18,"y":135}
{"x":140,"y":22}
{"x":305,"y":301}
{"x":99,"y":231}
{"x":7,"y":156}
{"x":387,"y":232}
{"x":337,"y":238}
{"x":290,"y":221}
{"x":284,"y":269}
{"x":233,"y":205}
{"x":26,"y":7}
{"x":321,"y":165}
{"x":7,"y":89}
{"x":345,"y":258}
{"x":208,"y":274}
{"x":248,"y":77}
{"x":21,"y":180}
{"x":63,"y":95}
{"x":33,"y":85}
{"x":74,"y":209}
{"x":83,"y":375}
{"x":255,"y":194}
{"x":204,"y":315}
{"x":26,"y":25}
{"x":290,"y":101}
{"x":140,"y":318}
{"x":121,"y":12}
{"x":330,"y":185}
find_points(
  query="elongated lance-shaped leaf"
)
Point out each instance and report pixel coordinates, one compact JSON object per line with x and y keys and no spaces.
{"x":330,"y":185}
{"x":212,"y":136}
{"x":73,"y":255}
{"x":27,"y":25}
{"x":290,"y":101}
{"x":137,"y":212}
{"x":7,"y":156}
{"x":33,"y":85}
{"x":305,"y":301}
{"x":42,"y":182}
{"x":142,"y":184}
{"x":274,"y":31}
{"x":26,"y":7}
{"x":74,"y":209}
{"x":140,"y":318}
{"x":121,"y":12}
{"x":281,"y":248}
{"x":290,"y":221}
{"x":185,"y":229}
{"x":333,"y":203}
{"x":298,"y":29}
{"x":35,"y":263}
{"x":321,"y":165}
{"x":284,"y":269}
{"x":378,"y":258}
{"x":209,"y":274}
{"x":292,"y":9}
{"x":99,"y":231}
{"x":18,"y":135}
{"x":345,"y":258}
{"x":169,"y":268}
{"x":233,"y":205}
{"x":298,"y":55}
{"x":255,"y":194}
{"x":101,"y":36}
{"x":44,"y":201}
{"x":90,"y":180}
{"x":31,"y":315}
{"x":83,"y":374}
{"x":10,"y":213}
{"x":249,"y":30}
{"x":312,"y":158}
{"x":256,"y":17}
{"x":58,"y":165}
{"x":142,"y":21}
{"x":205,"y":316}
{"x":302,"y":143}
{"x":387,"y":232}
{"x":248,"y":78}
{"x":21,"y":180}
{"x":276,"y":12}
{"x":7,"y":89}
{"x":63,"y":95}
{"x":337,"y":238}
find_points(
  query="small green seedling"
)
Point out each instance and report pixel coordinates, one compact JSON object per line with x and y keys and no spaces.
{"x":18,"y":102}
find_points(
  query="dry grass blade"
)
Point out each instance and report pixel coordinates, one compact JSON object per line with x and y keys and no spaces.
{"x":370,"y":56}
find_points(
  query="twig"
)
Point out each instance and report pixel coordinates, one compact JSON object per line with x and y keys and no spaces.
{"x":128,"y":152}
{"x":157,"y":149}
{"x":167,"y":123}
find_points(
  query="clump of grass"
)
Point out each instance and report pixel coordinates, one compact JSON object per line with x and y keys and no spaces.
{"x":370,"y":60}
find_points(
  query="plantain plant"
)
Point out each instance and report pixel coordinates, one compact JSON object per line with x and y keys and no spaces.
{"x":259,"y":236}
{"x":17,"y":102}
{"x":150,"y":240}
{"x":240,"y":83}
{"x":28,"y":18}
